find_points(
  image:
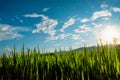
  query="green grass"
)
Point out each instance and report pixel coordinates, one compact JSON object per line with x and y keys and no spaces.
{"x":101,"y":63}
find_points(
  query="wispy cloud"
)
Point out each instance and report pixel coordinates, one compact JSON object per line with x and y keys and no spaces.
{"x":97,"y":25}
{"x":20,"y":20}
{"x":8,"y":32}
{"x":8,"y":49}
{"x":115,"y":9}
{"x":82,"y":29}
{"x":84,"y":20}
{"x":70,"y":22}
{"x":76,"y":37}
{"x":56,"y":45}
{"x":99,"y":14}
{"x":45,"y":9}
{"x":58,"y":37}
{"x":33,"y":15}
{"x":51,"y":38}
{"x":103,"y":6}
{"x":105,"y":18}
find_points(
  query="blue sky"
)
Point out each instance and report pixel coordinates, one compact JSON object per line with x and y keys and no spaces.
{"x":56,"y":23}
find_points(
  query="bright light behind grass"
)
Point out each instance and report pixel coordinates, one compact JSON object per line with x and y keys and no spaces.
{"x":109,"y":34}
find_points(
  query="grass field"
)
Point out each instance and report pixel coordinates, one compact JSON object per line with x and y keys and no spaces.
{"x":100,"y":63}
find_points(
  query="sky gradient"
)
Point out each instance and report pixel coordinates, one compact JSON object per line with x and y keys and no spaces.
{"x":56,"y":23}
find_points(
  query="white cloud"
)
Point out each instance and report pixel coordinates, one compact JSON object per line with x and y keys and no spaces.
{"x":70,"y":22}
{"x":116,"y":9}
{"x":103,"y":6}
{"x":8,"y":49}
{"x":82,"y":29}
{"x":46,"y":26}
{"x":51,"y":38}
{"x":62,"y":36}
{"x":76,"y":37}
{"x":45,"y":9}
{"x":98,"y":14}
{"x":105,"y":18}
{"x":58,"y":37}
{"x":56,"y":45}
{"x":84,"y":20}
{"x":34,"y":15}
{"x":97,"y":25}
{"x":8,"y":32}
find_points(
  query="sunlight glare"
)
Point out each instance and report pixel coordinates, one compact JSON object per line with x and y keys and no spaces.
{"x":109,"y":34}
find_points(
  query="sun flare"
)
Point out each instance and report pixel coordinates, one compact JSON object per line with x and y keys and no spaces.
{"x":109,"y":34}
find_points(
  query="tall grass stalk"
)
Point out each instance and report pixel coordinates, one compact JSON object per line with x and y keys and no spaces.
{"x":99,"y":63}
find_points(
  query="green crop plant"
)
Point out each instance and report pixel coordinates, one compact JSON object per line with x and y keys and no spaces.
{"x":99,"y":63}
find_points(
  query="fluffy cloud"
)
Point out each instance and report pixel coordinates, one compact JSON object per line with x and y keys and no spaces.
{"x":46,"y":26}
{"x":70,"y":22}
{"x":45,"y":9}
{"x":104,"y":14}
{"x":60,"y":36}
{"x":103,"y":6}
{"x":116,"y":9}
{"x":8,"y":32}
{"x":82,"y":29}
{"x":98,"y":14}
{"x":84,"y":20}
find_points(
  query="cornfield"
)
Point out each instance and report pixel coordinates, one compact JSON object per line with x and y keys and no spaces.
{"x":100,"y":63}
